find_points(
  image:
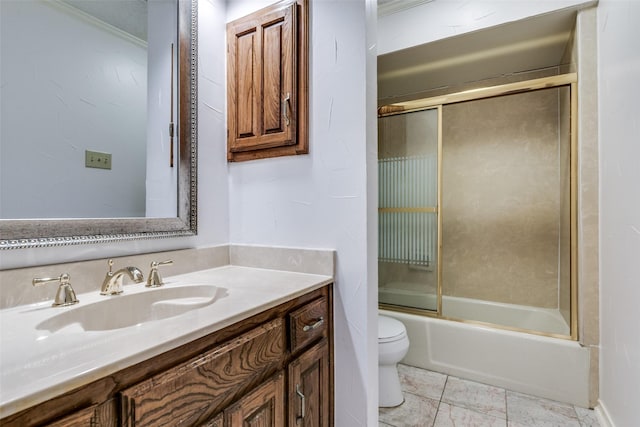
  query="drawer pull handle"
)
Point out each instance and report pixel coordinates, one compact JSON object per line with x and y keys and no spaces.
{"x":316,"y":325}
{"x":302,"y":403}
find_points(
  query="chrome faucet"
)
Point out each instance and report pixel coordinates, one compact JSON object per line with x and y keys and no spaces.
{"x":112,"y":284}
{"x":154,"y":279}
{"x":65,"y":295}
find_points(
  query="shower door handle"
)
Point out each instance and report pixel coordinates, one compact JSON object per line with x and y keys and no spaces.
{"x":302,"y":404}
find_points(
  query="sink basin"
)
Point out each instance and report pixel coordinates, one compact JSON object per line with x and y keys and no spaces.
{"x":129,"y":309}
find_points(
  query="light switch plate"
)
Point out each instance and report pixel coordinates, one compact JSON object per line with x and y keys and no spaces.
{"x":95,"y":159}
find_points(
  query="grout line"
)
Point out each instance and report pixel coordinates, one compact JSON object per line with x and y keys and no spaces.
{"x":575,"y":411}
{"x":435,"y":417}
{"x":506,"y":407}
{"x":446,"y":380}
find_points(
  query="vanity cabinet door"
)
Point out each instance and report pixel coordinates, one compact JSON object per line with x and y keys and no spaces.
{"x":82,"y":418}
{"x":217,"y":421}
{"x":102,"y":415}
{"x":267,"y":83}
{"x":309,"y":391}
{"x":192,"y":392}
{"x":262,"y":407}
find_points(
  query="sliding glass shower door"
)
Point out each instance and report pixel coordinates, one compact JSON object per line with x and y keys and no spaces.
{"x":407,"y":213}
{"x":477,"y":206}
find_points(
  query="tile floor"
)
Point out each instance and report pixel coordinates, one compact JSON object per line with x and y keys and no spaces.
{"x":434,"y":399}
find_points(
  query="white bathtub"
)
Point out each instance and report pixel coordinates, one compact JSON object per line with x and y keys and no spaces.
{"x":512,"y":315}
{"x":552,"y":368}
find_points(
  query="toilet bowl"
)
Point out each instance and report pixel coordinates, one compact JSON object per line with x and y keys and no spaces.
{"x":393,"y":345}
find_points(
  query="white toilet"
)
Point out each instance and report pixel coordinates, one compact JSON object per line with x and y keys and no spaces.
{"x":393,"y":345}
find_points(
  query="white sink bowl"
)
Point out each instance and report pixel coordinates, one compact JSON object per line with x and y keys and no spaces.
{"x":130,"y":309}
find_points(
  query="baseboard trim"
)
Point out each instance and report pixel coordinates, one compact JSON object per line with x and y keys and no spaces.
{"x":603,"y":415}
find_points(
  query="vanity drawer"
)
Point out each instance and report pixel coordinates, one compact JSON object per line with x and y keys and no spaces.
{"x":308,"y":323}
{"x":200,"y":387}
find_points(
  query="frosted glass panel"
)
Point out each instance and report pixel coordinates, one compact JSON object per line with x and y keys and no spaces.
{"x":407,"y":220}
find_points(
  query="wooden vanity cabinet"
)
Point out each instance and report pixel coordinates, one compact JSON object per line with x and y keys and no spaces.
{"x":262,"y":407}
{"x":192,"y":392}
{"x":267,"y":82}
{"x":251,"y":373}
{"x":307,"y":400}
{"x":96,"y":415}
{"x":309,"y":392}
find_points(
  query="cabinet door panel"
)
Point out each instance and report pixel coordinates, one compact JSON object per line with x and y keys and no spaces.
{"x":272,"y":36}
{"x":102,"y":415}
{"x":218,"y":421}
{"x":263,"y":407}
{"x":193,"y":391}
{"x":262,"y":88}
{"x":84,"y":417}
{"x":247,"y":99}
{"x":309,"y":399}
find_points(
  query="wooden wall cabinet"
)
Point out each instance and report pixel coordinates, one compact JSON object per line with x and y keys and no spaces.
{"x":267,"y":82}
{"x":273,"y":369}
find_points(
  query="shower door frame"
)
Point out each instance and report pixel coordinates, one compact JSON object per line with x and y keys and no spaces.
{"x":569,"y":80}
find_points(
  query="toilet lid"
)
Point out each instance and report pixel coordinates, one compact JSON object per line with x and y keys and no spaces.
{"x":389,"y":329}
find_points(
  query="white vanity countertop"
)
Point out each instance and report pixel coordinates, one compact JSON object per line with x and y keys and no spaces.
{"x":37,"y":365}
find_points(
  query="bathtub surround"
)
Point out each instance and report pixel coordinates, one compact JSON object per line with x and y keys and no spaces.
{"x":589,"y":196}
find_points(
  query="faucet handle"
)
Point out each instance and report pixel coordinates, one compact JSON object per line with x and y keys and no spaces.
{"x":154,"y":280}
{"x":65,"y":295}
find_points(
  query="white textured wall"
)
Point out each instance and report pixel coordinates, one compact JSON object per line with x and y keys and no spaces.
{"x":213,"y":212}
{"x":320,"y":199}
{"x":619,"y":124}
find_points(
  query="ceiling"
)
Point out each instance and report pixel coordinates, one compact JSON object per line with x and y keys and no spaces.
{"x":525,"y":45}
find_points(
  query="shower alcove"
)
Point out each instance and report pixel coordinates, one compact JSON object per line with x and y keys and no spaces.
{"x":477,"y":158}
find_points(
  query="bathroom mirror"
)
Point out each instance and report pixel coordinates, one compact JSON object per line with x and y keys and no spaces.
{"x":147,"y":188}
